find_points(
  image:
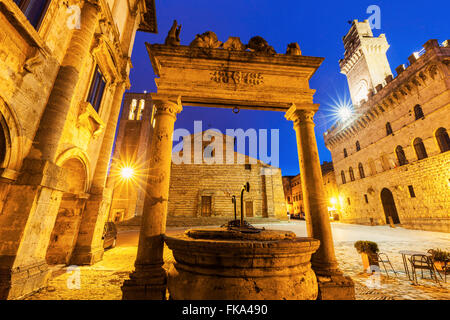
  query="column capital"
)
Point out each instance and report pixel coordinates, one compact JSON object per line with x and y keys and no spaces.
{"x":301,"y":112}
{"x":167,"y":104}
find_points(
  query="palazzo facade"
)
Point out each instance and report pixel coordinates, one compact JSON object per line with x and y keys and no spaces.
{"x":63,"y":71}
{"x":391,"y":158}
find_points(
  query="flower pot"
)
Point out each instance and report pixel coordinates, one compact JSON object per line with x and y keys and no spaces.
{"x":369,"y":259}
{"x":439,"y":265}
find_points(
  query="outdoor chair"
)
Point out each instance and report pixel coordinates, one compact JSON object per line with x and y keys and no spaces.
{"x":384,"y":259}
{"x":422,"y":262}
{"x":445,"y":268}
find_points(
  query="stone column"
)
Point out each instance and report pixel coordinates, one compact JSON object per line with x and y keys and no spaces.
{"x":149,"y":280}
{"x":332,"y":285}
{"x":89,"y":245}
{"x":51,"y":127}
{"x":318,"y":222}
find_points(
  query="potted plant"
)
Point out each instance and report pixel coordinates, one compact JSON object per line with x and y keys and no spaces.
{"x":440,"y":257}
{"x":368,"y":251}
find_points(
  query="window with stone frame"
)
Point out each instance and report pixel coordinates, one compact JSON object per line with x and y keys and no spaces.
{"x":401,"y":157}
{"x":352,"y":175}
{"x":358,"y":146}
{"x":418,"y":112}
{"x":345,"y":153}
{"x":343,"y":177}
{"x":34,"y":10}
{"x":97,"y":89}
{"x":419,"y":147}
{"x":362,"y":175}
{"x":388,"y":128}
{"x":443,"y":139}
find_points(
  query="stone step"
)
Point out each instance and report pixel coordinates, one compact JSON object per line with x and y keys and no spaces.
{"x":196,"y":221}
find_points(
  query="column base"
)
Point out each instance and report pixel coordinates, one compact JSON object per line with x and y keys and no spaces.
{"x":148,"y":284}
{"x":336,"y":287}
{"x":22,"y":281}
{"x":86,"y":256}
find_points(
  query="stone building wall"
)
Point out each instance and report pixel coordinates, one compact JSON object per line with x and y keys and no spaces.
{"x":55,"y":145}
{"x":220,"y":180}
{"x":424,"y":83}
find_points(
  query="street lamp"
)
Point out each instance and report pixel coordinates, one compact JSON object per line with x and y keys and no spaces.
{"x":126,"y":173}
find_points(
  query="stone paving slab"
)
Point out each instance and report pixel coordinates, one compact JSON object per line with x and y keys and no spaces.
{"x":103,"y":280}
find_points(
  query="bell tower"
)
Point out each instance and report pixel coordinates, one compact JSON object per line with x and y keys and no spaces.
{"x":365,"y":63}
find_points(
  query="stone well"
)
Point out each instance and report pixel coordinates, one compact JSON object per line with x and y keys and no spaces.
{"x":221,"y":264}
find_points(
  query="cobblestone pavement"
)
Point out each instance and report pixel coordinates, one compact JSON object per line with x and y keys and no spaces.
{"x":103,"y":280}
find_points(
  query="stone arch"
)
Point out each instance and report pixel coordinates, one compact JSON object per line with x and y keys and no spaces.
{"x":71,"y":155}
{"x":388,"y":202}
{"x":65,"y":231}
{"x":442,"y":139}
{"x":10,"y":129}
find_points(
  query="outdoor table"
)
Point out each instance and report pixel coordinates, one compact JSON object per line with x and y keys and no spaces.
{"x":405,"y":253}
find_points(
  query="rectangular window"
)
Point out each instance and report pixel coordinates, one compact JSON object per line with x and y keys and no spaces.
{"x":411,"y":192}
{"x":34,"y":10}
{"x":248,"y":166}
{"x":365,"y":198}
{"x":97,"y":88}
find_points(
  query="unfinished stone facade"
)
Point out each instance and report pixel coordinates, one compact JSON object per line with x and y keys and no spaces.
{"x":131,"y":151}
{"x":206,"y":188}
{"x":64,"y":68}
{"x":392,"y":157}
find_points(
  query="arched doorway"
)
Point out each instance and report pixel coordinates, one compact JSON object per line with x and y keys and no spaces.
{"x":67,"y":224}
{"x":390,"y":210}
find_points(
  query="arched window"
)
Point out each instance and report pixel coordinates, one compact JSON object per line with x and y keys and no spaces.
{"x":361,"y":171}
{"x":418,"y":112}
{"x":352,"y":175}
{"x":358,"y":146}
{"x":388,"y":128}
{"x":343,"y":177}
{"x":345,"y":153}
{"x":421,"y":152}
{"x":140,"y":110}
{"x":401,"y":157}
{"x":442,"y":139}
{"x":132,"y":112}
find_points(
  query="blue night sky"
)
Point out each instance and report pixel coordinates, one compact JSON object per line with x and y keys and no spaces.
{"x":318,"y":27}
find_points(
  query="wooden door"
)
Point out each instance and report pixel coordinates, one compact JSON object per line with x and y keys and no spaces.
{"x":206,"y":206}
{"x":249,"y":208}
